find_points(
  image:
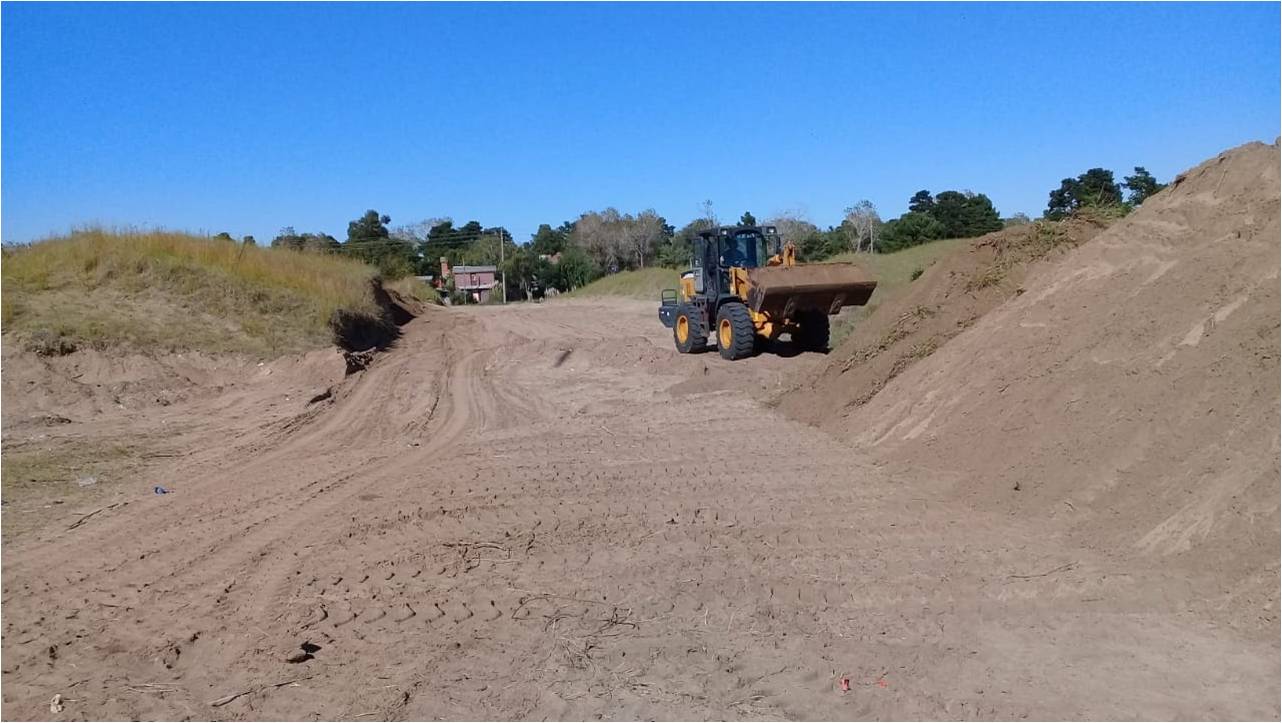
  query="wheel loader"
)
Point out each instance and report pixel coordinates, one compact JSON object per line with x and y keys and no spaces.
{"x":747,"y":289}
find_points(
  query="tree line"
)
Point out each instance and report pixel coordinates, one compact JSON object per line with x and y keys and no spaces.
{"x":575,"y":252}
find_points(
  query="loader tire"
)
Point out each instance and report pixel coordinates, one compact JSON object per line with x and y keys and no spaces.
{"x":688,"y":330}
{"x":735,"y":332}
{"x":814,"y":332}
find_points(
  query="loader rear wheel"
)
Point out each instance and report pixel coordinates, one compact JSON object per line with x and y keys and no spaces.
{"x":814,"y":332}
{"x":735,"y":333}
{"x":688,"y":331}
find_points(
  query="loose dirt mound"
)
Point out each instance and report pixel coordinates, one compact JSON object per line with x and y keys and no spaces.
{"x":947,"y":299}
{"x":1131,"y":389}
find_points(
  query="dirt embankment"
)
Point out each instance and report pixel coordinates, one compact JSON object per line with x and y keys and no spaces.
{"x":80,"y":421}
{"x":1130,"y":391}
{"x":357,"y":331}
{"x":948,"y":298}
{"x":82,"y":383}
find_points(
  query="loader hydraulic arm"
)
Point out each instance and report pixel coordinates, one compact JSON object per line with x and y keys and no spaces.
{"x":786,"y":257}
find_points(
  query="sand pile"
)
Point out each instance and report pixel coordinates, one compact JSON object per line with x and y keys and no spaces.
{"x":949,"y":297}
{"x":1132,"y":387}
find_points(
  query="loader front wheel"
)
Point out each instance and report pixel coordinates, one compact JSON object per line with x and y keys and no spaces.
{"x":814,"y":332}
{"x":735,"y":333}
{"x":688,"y":330}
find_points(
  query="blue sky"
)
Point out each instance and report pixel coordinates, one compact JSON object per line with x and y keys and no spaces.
{"x":250,"y":117}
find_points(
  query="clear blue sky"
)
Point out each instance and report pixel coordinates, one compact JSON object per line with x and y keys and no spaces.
{"x":251,"y":117}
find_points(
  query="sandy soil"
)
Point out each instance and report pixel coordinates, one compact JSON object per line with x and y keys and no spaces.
{"x":542,"y":511}
{"x":1128,"y":396}
{"x":951,"y":295}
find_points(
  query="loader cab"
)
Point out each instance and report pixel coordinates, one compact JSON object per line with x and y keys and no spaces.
{"x":717,"y":250}
{"x":729,"y":246}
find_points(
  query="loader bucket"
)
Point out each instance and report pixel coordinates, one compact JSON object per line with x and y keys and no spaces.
{"x":784,"y":290}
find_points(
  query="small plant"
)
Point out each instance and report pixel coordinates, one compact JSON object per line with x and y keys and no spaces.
{"x":916,"y":274}
{"x":992,"y":276}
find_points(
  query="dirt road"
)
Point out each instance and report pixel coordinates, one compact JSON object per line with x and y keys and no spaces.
{"x":541,"y":511}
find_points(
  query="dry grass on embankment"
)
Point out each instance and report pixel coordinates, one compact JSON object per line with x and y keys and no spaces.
{"x":638,"y":284}
{"x":167,"y":291}
{"x":415,"y":289}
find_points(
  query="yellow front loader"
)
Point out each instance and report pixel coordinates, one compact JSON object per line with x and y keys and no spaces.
{"x":746,"y":289}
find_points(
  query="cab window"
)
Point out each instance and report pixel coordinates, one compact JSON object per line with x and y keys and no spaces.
{"x":745,"y":248}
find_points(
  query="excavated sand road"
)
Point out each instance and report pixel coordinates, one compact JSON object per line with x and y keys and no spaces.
{"x":542,"y":511}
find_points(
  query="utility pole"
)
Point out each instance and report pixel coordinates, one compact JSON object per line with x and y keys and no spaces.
{"x":502,"y":270}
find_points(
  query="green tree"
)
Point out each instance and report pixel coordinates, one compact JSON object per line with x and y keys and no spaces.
{"x":1141,"y":185}
{"x":471,"y":244}
{"x":910,"y":229}
{"x":224,"y":236}
{"x":442,"y":240}
{"x":1063,"y":200}
{"x":575,"y":269}
{"x":519,"y":272}
{"x":819,"y":245}
{"x":747,"y":219}
{"x":249,"y":241}
{"x":921,"y":202}
{"x":441,"y":230}
{"x":288,"y":238}
{"x":369,"y":227}
{"x":483,"y":250}
{"x":676,"y":250}
{"x":979,"y":216}
{"x":1094,"y":188}
{"x":950,"y":212}
{"x":1097,"y":188}
{"x":368,"y":239}
{"x":548,"y":241}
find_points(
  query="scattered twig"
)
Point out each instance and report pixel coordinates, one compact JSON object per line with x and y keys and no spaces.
{"x":535,"y":596}
{"x":615,"y":620}
{"x":1061,"y":568}
{"x":217,"y":702}
{"x":84,"y":517}
{"x":750,"y":700}
{"x":491,"y":545}
{"x":151,"y":688}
